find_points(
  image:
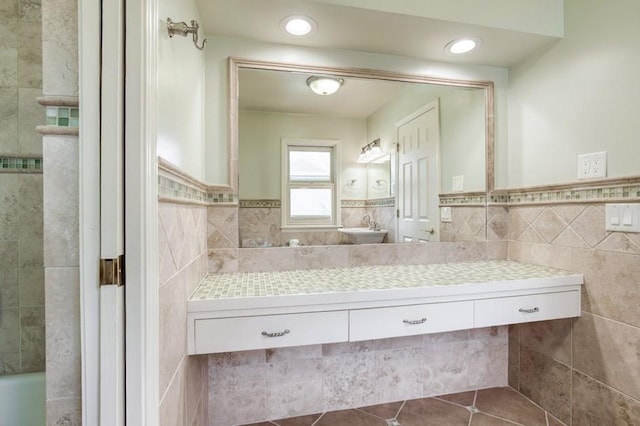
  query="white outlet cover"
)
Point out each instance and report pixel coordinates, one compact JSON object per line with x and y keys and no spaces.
{"x":598,"y":165}
{"x":445,"y":214}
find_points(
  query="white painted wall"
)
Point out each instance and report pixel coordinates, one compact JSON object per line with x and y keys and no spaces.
{"x":220,"y":48}
{"x":180,"y":92}
{"x":462,"y":130}
{"x":259,"y":140}
{"x":580,"y":96}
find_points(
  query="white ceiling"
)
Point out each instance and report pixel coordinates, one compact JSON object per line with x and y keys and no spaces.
{"x":341,"y":27}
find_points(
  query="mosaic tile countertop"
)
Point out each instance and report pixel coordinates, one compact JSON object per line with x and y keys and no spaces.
{"x":366,"y":278}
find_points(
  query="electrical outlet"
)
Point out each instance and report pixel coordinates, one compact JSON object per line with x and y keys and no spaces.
{"x":592,"y":165}
{"x":598,"y":166}
{"x":457,"y":183}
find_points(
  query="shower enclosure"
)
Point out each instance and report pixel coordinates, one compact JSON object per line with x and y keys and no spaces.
{"x":22,"y":328}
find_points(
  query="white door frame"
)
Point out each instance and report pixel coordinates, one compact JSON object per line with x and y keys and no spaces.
{"x":141,"y":214}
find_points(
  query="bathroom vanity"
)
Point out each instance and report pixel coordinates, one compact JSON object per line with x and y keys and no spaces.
{"x":258,"y":310}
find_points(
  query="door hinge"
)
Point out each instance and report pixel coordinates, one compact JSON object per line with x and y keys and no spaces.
{"x":112,"y":271}
{"x":397,"y":213}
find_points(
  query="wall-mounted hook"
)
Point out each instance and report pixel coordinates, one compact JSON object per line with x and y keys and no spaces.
{"x":183,"y":29}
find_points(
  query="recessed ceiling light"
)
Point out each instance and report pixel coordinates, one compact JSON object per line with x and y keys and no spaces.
{"x":298,"y":25}
{"x":462,"y":45}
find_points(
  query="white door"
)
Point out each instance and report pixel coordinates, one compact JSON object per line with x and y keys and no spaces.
{"x":418,"y":144}
{"x":112,"y":324}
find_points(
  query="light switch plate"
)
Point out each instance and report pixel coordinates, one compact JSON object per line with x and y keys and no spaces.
{"x":445,"y":214}
{"x":622,"y":217}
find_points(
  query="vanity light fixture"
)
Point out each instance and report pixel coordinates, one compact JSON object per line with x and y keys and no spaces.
{"x":370,"y":152}
{"x":298,"y":25}
{"x":462,"y":45}
{"x":324,"y":85}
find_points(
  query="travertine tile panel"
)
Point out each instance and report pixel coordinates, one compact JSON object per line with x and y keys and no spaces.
{"x":569,"y":238}
{"x":497,"y":223}
{"x":349,"y":380}
{"x":222,"y":228}
{"x":32,"y":339}
{"x":541,"y":254}
{"x":172,"y":402}
{"x":237,"y":395}
{"x":270,"y":259}
{"x":31,"y":273}
{"x":597,"y":404}
{"x":9,"y":58}
{"x":166,"y":263}
{"x":62,"y":316}
{"x":550,"y":338}
{"x":400,"y":373}
{"x":320,"y":257}
{"x":10,"y":329}
{"x":488,"y":363}
{"x":294,"y":387}
{"x":619,"y":242}
{"x":546,"y":382}
{"x":195,"y":381}
{"x":514,"y":357}
{"x":223,"y":260}
{"x":64,"y":411}
{"x":608,"y":351}
{"x":59,"y":48}
{"x":568,"y":212}
{"x":30,"y":115}
{"x":611,"y":284}
{"x":549,"y":225}
{"x":29,"y":10}
{"x":172,"y":317}
{"x":9,"y":363}
{"x":293,"y":353}
{"x":61,"y":220}
{"x":30,"y":205}
{"x":590,"y":226}
{"x":9,"y":284}
{"x":447,"y":368}
{"x":8,"y":102}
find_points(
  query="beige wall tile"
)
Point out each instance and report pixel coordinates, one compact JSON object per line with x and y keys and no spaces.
{"x":546,"y":382}
{"x":62,"y":317}
{"x":446,"y":368}
{"x":569,"y":238}
{"x":10,"y":329}
{"x":590,"y":225}
{"x":64,"y":411}
{"x":60,"y":48}
{"x":61,"y":222}
{"x":31,"y":273}
{"x":29,"y":51}
{"x":9,"y":284}
{"x":541,"y":254}
{"x":497,"y":223}
{"x":237,"y":395}
{"x":222,"y":227}
{"x":513,"y":371}
{"x":619,"y":242}
{"x":8,"y":103}
{"x":550,"y":338}
{"x":32,"y":339}
{"x":320,"y":257}
{"x":549,"y":225}
{"x":270,"y":259}
{"x":172,"y":314}
{"x":611,"y":284}
{"x":195,"y":382}
{"x":608,"y":351}
{"x":294,"y":387}
{"x":30,"y":225}
{"x":597,"y":404}
{"x":223,"y":260}
{"x":172,"y":403}
{"x":9,"y":363}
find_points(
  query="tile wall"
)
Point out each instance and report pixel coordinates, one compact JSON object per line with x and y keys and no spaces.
{"x":182,"y":250}
{"x":584,"y":371}
{"x":22,"y":334}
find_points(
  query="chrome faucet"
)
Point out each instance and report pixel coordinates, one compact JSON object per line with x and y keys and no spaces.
{"x":370,"y":223}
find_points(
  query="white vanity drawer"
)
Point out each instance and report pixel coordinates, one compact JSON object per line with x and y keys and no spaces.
{"x":269,"y":331}
{"x":535,"y":307}
{"x":378,"y":323}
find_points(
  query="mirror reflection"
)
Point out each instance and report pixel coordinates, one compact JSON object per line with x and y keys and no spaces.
{"x":395,"y":146}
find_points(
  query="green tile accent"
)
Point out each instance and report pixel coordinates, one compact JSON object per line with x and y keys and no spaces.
{"x":63,"y":116}
{"x":16,"y":164}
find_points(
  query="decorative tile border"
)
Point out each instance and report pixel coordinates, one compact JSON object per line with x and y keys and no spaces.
{"x":63,"y":116}
{"x":605,"y":190}
{"x":261,"y":204}
{"x":169,"y":188}
{"x":20,"y":165}
{"x":381,"y":202}
{"x":463,"y":199}
{"x":176,"y":186}
{"x":353,"y":203}
{"x":222,"y":198}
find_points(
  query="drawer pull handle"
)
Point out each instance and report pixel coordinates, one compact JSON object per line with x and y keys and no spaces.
{"x":528,"y":311}
{"x":280,"y":334}
{"x":414,"y":322}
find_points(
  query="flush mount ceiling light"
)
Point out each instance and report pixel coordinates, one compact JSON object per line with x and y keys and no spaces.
{"x":462,"y":45}
{"x":298,"y":25}
{"x":324,"y":85}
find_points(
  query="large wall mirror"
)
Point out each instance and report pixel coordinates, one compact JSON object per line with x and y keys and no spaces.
{"x":434,"y":139}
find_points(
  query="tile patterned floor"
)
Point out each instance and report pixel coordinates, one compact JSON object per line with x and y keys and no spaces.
{"x":485,"y":407}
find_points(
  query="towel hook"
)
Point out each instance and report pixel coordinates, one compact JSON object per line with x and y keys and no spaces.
{"x":183,"y":29}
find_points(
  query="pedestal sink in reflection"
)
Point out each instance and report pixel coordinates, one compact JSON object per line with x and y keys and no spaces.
{"x":363,"y":235}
